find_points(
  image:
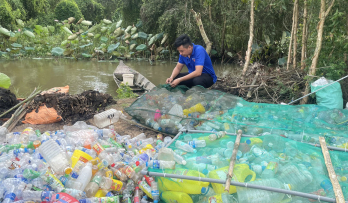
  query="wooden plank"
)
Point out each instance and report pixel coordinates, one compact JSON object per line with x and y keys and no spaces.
{"x":233,"y":160}
{"x":330,"y":169}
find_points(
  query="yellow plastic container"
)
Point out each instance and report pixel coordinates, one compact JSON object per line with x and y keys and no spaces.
{"x":100,"y":193}
{"x":182,"y":185}
{"x":76,"y":156}
{"x":254,"y":141}
{"x":196,"y":108}
{"x":240,"y":172}
{"x":171,"y":196}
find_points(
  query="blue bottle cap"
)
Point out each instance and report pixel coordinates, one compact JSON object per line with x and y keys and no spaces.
{"x":147,"y":164}
{"x":204,"y":190}
{"x":248,"y":141}
{"x":205,"y":171}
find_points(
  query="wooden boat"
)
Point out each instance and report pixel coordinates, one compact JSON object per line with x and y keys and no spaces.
{"x":140,"y":82}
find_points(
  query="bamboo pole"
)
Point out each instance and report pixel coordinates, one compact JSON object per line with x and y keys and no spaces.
{"x":20,"y":103}
{"x":233,"y":160}
{"x":336,"y":186}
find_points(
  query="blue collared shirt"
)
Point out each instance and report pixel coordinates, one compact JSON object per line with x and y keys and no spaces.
{"x":199,"y":57}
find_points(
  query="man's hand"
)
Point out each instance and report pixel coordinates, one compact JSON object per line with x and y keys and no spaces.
{"x":169,"y":80}
{"x":175,"y":82}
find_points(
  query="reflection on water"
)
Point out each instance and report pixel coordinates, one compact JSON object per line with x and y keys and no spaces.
{"x":27,"y":74}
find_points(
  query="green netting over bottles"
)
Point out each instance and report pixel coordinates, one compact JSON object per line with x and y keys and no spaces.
{"x":170,"y":109}
{"x":268,"y":160}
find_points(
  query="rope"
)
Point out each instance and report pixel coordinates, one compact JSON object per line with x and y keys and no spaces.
{"x":317,"y":90}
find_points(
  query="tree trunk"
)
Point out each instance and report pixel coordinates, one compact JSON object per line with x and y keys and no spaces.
{"x":304,"y":36}
{"x":201,"y":29}
{"x":223,"y":31}
{"x":251,"y":38}
{"x":295,"y":34}
{"x":291,"y":36}
{"x":312,"y":70}
{"x":210,"y":18}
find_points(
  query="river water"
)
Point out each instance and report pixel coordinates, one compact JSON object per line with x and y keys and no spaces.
{"x":26,"y":74}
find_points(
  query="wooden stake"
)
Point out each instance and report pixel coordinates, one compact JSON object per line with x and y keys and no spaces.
{"x":233,"y":160}
{"x":331,"y":171}
{"x":252,"y":84}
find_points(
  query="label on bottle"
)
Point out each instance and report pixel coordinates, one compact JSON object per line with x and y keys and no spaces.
{"x":74,"y":174}
{"x":64,"y":179}
{"x":192,"y":144}
{"x":272,"y":166}
{"x":83,"y":159}
{"x":36,"y":188}
{"x":11,"y":196}
{"x":215,"y":199}
{"x":326,"y":185}
{"x":109,"y":174}
{"x":136,"y":199}
{"x":156,"y":164}
{"x":13,"y":166}
{"x":116,"y":185}
{"x":45,"y":196}
{"x":128,"y":171}
{"x":98,"y":148}
{"x":154,"y":193}
{"x":97,"y":179}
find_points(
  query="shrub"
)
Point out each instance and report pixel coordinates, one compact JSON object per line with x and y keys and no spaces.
{"x":35,"y":7}
{"x":18,"y":9}
{"x":91,"y":10}
{"x":6,"y":16}
{"x":66,"y":9}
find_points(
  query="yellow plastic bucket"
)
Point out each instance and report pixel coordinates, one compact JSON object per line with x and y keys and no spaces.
{"x":76,"y":156}
{"x":172,"y":196}
{"x":240,"y":172}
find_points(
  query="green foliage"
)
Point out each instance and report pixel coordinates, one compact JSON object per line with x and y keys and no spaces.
{"x":5,"y":81}
{"x":6,"y":15}
{"x":18,"y":9}
{"x":91,"y":10}
{"x":36,"y":7}
{"x":66,"y":9}
{"x":125,"y":92}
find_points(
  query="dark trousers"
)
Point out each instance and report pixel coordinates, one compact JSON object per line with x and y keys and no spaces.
{"x":204,"y":80}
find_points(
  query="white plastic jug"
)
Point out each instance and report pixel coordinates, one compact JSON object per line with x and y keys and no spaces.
{"x":107,"y":117}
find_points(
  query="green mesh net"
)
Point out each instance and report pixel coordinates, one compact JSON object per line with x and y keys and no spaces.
{"x":169,"y":109}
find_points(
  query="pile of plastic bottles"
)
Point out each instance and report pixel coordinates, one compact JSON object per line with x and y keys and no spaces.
{"x":211,"y":110}
{"x":269,"y":160}
{"x":78,"y":164}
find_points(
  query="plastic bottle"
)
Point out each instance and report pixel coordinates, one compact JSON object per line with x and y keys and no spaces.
{"x":93,"y":186}
{"x":217,"y":135}
{"x":161,"y":164}
{"x":150,"y":122}
{"x":270,"y":170}
{"x":145,"y":188}
{"x":85,"y":176}
{"x":197,"y":143}
{"x":128,"y":191}
{"x":107,"y":117}
{"x":179,"y":159}
{"x":184,"y":146}
{"x":37,"y":195}
{"x":136,"y":195}
{"x":55,"y":157}
{"x":10,"y":195}
{"x":296,"y":175}
{"x":261,"y":196}
{"x":155,"y":192}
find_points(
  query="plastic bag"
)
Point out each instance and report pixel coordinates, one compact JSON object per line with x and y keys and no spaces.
{"x":331,"y":96}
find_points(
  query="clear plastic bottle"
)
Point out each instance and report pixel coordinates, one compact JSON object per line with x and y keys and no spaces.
{"x":297,"y":176}
{"x":270,"y":170}
{"x":145,"y":188}
{"x":10,"y":195}
{"x":107,"y":117}
{"x":136,"y":195}
{"x":179,"y":159}
{"x":150,"y":122}
{"x":37,"y":195}
{"x":85,"y":176}
{"x":93,"y":186}
{"x":128,"y":191}
{"x":121,"y":176}
{"x":197,"y":143}
{"x":184,"y":146}
{"x":217,"y":135}
{"x":55,"y":157}
{"x":260,"y":196}
{"x":155,"y":192}
{"x":158,"y":164}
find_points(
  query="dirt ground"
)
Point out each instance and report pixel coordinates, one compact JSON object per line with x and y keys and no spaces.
{"x":121,"y":127}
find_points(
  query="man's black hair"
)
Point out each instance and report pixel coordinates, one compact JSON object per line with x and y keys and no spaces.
{"x":183,"y":40}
